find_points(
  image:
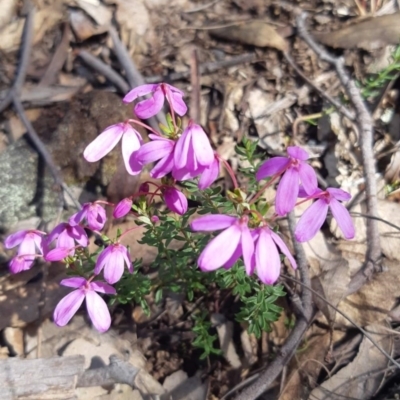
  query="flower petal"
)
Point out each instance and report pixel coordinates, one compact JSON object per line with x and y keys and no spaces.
{"x":67,"y":307}
{"x":141,"y":90}
{"x":177,"y":103}
{"x":181,"y":150}
{"x":163,"y":167}
{"x":78,"y":217}
{"x":273,"y":166}
{"x":268,"y":263}
{"x":339,"y":194}
{"x":247,"y":245}
{"x":102,"y":259}
{"x":114,"y":267}
{"x":209,"y":175}
{"x":104,"y":143}
{"x":297,"y":153}
{"x":98,"y":311}
{"x":56,"y":232}
{"x":282,"y":246}
{"x":75,"y":282}
{"x":201,"y":146}
{"x":213,"y":222}
{"x":79,"y":234}
{"x":343,"y":218}
{"x":154,"y":150}
{"x":57,"y":254}
{"x":96,"y":217}
{"x":220,"y":249}
{"x":19,"y":264}
{"x":235,"y":256}
{"x":308,"y":178}
{"x":311,"y":221}
{"x":127,"y":258}
{"x":148,"y":108}
{"x":175,"y":200}
{"x":14,"y":239}
{"x":287,"y":192}
{"x":102,"y":287}
{"x":122,"y":208}
{"x":131,"y":142}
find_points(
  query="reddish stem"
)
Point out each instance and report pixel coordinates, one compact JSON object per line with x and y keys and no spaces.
{"x":231,"y":173}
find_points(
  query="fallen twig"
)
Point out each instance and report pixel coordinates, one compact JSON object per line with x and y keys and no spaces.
{"x":273,"y":369}
{"x":104,"y":69}
{"x":41,"y":148}
{"x":118,"y":371}
{"x":365,"y":124}
{"x":204,"y":69}
{"x":26,"y":45}
{"x":195,"y":83}
{"x":363,"y":331}
{"x":133,"y":75}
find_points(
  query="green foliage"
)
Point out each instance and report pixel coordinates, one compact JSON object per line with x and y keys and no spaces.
{"x":175,"y":266}
{"x":375,"y":82}
{"x":204,"y":340}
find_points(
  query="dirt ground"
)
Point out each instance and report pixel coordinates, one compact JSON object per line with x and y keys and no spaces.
{"x":70,"y":72}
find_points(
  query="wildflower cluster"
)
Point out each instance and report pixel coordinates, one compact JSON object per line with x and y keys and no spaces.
{"x":184,"y":161}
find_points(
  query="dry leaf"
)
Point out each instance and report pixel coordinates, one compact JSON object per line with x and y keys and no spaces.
{"x":356,"y":380}
{"x":368,"y":34}
{"x":83,"y":26}
{"x":254,"y":33}
{"x":96,"y":10}
{"x":7,"y":8}
{"x":44,"y":20}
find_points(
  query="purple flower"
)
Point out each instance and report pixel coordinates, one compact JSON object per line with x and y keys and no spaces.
{"x":122,"y":208}
{"x":225,"y":249}
{"x":267,"y":260}
{"x":108,"y":139}
{"x":21,"y":263}
{"x":313,"y":218}
{"x":96,"y":306}
{"x":94,"y":214}
{"x":31,"y":243}
{"x":175,"y":200}
{"x":150,"y":107}
{"x":67,"y":236}
{"x":57,"y":254}
{"x":112,"y":259}
{"x":210,"y":174}
{"x":193,"y":153}
{"x":295,"y":170}
{"x":161,"y":149}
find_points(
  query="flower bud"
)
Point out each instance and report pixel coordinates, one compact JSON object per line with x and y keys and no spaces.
{"x":122,"y":208}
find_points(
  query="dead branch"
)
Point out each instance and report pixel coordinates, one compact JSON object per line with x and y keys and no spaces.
{"x":365,"y":125}
{"x":363,"y":331}
{"x":204,"y":69}
{"x":104,"y":69}
{"x":118,"y":371}
{"x":286,"y":352}
{"x":26,"y":46}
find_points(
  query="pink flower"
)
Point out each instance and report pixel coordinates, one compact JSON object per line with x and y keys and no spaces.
{"x":94,"y":214}
{"x":313,"y":218}
{"x":112,"y":259}
{"x":161,"y":149}
{"x":225,"y":249}
{"x":150,"y":107}
{"x":67,"y":236}
{"x":210,"y":174}
{"x":267,"y":260}
{"x":175,"y":200}
{"x":96,"y":306}
{"x":57,"y":254}
{"x":193,"y":153}
{"x":122,"y":208}
{"x":295,"y":170}
{"x":108,"y":139}
{"x":31,"y":243}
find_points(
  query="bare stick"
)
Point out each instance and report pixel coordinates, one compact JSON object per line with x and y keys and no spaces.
{"x":133,"y":76}
{"x":363,"y":331}
{"x":206,"y":68}
{"x":273,"y":370}
{"x":365,"y":124}
{"x":26,"y":45}
{"x":195,"y":83}
{"x":341,"y":108}
{"x":40,"y":147}
{"x":118,"y":371}
{"x":104,"y":69}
